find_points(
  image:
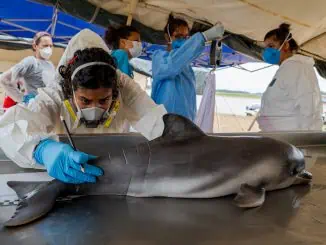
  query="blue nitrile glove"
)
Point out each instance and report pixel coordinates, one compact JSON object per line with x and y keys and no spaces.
{"x":27,"y":97}
{"x":63,"y":163}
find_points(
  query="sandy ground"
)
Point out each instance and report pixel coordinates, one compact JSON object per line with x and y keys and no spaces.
{"x":231,"y":123}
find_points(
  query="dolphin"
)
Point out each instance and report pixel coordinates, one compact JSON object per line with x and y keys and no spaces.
{"x":183,"y":163}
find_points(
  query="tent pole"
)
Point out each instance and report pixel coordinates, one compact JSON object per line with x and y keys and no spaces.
{"x":12,"y":30}
{"x":54,"y":20}
{"x":259,"y":69}
{"x":28,"y":20}
{"x":68,"y":25}
{"x":18,"y":26}
{"x":132,"y":7}
{"x":253,"y":122}
{"x":97,"y":10}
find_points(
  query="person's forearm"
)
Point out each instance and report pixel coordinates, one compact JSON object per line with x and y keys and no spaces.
{"x":10,"y":88}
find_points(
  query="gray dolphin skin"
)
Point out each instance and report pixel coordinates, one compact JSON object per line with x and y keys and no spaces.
{"x":183,"y":163}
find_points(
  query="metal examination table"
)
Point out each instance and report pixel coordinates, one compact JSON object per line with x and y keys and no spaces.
{"x":295,"y":216}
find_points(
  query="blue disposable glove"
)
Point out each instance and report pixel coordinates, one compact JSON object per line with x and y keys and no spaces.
{"x":28,"y":97}
{"x":63,"y":163}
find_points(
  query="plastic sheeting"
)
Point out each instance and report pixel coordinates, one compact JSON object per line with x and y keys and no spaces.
{"x":206,"y":112}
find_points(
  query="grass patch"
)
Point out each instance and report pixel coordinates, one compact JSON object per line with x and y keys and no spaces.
{"x":239,"y":95}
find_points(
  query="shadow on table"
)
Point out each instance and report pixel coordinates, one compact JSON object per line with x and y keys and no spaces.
{"x":125,"y":220}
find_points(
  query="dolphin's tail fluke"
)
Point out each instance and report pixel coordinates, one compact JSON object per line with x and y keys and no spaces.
{"x":36,"y":200}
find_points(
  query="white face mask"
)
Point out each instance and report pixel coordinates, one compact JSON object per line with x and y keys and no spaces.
{"x":92,"y":116}
{"x":46,"y":53}
{"x":136,"y":50}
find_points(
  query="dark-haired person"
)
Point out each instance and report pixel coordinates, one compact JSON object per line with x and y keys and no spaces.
{"x":37,"y":70}
{"x":94,"y":97}
{"x":173,"y":77}
{"x":292,"y":101}
{"x":125,"y":44}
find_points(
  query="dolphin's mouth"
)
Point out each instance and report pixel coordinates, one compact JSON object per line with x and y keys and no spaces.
{"x":304,"y":177}
{"x":304,"y":174}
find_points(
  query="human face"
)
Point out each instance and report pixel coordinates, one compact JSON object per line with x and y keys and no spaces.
{"x":88,"y":98}
{"x":272,"y":42}
{"x":182,"y":32}
{"x":127,"y":43}
{"x":43,"y":42}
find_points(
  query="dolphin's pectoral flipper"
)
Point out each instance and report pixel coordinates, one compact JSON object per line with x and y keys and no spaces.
{"x":37,"y":199}
{"x":250,"y":196}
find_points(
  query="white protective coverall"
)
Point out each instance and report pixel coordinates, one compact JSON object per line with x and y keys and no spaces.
{"x":36,"y":73}
{"x":292,"y":101}
{"x":23,"y":127}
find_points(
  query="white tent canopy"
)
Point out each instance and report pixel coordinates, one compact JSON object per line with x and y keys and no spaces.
{"x":246,"y":21}
{"x":252,"y":18}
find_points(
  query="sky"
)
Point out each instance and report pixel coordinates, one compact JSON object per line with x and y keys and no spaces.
{"x":252,"y":82}
{"x":236,"y":79}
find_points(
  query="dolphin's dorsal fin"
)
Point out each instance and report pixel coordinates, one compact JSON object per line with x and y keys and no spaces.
{"x":179,"y":127}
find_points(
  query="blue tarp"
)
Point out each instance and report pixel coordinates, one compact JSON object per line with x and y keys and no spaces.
{"x":21,"y":18}
{"x":229,"y":56}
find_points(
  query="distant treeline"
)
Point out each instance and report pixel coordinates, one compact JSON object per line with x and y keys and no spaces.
{"x":238,"y":92}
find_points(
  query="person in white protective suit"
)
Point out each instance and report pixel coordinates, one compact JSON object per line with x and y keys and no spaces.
{"x":36,"y":70}
{"x":292,"y":101}
{"x":93,"y":97}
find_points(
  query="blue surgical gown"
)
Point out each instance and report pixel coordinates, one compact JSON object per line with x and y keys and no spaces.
{"x":122,"y":60}
{"x":174,"y":79}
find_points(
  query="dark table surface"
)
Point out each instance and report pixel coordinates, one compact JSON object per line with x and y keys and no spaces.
{"x":295,"y":216}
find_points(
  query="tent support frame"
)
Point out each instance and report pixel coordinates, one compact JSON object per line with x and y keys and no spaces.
{"x":132,"y":8}
{"x":16,"y":25}
{"x":54,"y":20}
